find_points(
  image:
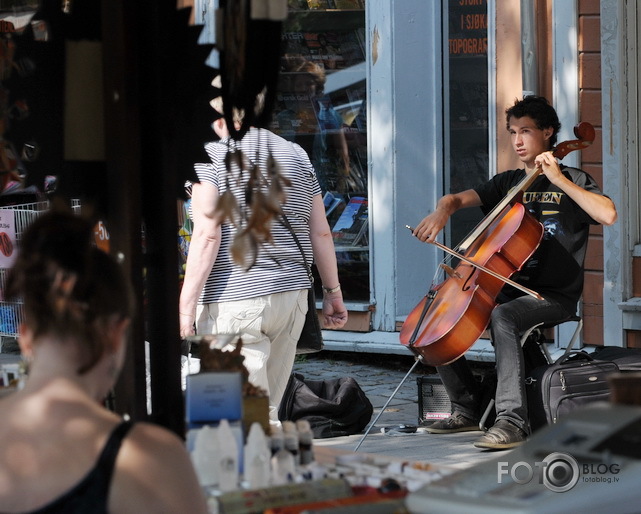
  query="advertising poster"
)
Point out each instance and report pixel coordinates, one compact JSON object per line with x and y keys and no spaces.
{"x":7,"y":238}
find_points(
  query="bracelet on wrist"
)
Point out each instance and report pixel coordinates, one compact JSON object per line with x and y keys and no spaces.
{"x":330,"y":290}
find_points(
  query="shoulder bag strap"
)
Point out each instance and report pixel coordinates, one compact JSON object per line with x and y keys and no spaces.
{"x":288,"y":226}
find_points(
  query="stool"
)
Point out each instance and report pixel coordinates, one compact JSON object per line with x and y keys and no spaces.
{"x":543,"y":326}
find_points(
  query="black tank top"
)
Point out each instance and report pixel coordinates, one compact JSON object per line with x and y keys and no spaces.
{"x":92,"y":493}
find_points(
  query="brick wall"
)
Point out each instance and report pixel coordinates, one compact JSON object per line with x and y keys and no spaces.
{"x":592,"y":161}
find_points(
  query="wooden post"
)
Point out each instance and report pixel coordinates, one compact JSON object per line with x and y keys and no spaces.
{"x":137,"y":38}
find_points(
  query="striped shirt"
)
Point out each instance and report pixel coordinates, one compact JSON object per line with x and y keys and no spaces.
{"x":279,"y":265}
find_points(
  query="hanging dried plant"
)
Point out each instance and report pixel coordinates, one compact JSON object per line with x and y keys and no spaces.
{"x":264,"y":195}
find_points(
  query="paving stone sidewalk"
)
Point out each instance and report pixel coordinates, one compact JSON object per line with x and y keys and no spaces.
{"x":379,"y":376}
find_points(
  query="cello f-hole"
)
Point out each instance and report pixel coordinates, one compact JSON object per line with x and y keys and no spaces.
{"x":466,"y":285}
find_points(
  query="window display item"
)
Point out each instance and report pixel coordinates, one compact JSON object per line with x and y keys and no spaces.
{"x":352,"y":224}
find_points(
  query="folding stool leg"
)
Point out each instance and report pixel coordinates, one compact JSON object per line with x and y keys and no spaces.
{"x":485,"y":415}
{"x":575,"y":336}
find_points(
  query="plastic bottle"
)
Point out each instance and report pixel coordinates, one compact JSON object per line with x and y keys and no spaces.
{"x":283,"y":465}
{"x":256,"y":458}
{"x":305,"y":442}
{"x":276,"y":440}
{"x":204,"y":456}
{"x":227,"y":458}
{"x":290,"y":438}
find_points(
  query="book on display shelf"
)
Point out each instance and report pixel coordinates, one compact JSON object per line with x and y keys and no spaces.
{"x":332,"y":202}
{"x":352,"y":222}
{"x":294,"y":114}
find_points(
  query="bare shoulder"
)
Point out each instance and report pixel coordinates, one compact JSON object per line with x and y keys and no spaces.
{"x":143,"y":433}
{"x":154,"y":473}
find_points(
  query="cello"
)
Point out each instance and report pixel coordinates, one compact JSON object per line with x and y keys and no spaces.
{"x":455,"y":313}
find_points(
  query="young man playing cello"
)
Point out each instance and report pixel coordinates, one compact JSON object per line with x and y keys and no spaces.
{"x":566,"y":201}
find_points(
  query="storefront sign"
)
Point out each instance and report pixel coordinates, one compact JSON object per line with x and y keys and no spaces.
{"x":467,"y":27}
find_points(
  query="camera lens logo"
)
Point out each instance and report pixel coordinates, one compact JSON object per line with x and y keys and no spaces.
{"x":560,"y":472}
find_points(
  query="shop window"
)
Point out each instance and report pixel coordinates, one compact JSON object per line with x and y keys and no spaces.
{"x":321,"y":105}
{"x":466,"y":87}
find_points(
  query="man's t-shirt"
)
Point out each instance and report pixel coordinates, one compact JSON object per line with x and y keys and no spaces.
{"x":555,"y":270}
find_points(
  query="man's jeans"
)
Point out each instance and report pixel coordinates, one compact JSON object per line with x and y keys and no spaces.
{"x":508,"y":321}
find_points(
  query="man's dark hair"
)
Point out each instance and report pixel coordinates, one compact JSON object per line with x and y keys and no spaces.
{"x":540,"y":110}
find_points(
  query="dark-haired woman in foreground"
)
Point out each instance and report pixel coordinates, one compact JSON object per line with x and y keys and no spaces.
{"x":61,"y":450}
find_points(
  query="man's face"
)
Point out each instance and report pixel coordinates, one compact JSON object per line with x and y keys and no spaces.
{"x":528,"y":141}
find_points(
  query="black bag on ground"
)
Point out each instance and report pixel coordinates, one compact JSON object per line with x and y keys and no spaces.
{"x":557,"y":389}
{"x":334,"y":407}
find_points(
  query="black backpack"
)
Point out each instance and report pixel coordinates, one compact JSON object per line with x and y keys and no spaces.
{"x":334,"y":407}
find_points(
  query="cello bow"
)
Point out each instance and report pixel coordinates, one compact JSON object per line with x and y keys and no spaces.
{"x":483,"y":268}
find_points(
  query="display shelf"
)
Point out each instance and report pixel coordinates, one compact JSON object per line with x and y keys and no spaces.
{"x":340,"y":248}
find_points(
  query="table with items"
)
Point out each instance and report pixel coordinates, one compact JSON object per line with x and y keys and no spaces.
{"x":244,"y":465}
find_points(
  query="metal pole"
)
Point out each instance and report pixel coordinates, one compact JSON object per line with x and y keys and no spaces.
{"x":529,"y":62}
{"x":418,"y":359}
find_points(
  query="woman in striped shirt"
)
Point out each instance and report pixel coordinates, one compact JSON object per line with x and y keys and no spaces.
{"x":263,"y":298}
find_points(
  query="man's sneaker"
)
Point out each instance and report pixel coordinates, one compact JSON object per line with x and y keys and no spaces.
{"x":455,"y":423}
{"x":502,"y":436}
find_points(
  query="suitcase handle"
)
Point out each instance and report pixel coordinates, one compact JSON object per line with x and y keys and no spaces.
{"x":577,"y":353}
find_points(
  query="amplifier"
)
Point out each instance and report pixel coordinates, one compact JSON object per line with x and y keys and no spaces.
{"x":433,"y":401}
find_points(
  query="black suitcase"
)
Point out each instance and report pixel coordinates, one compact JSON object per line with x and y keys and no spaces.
{"x":628,"y":359}
{"x":556,"y":389}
